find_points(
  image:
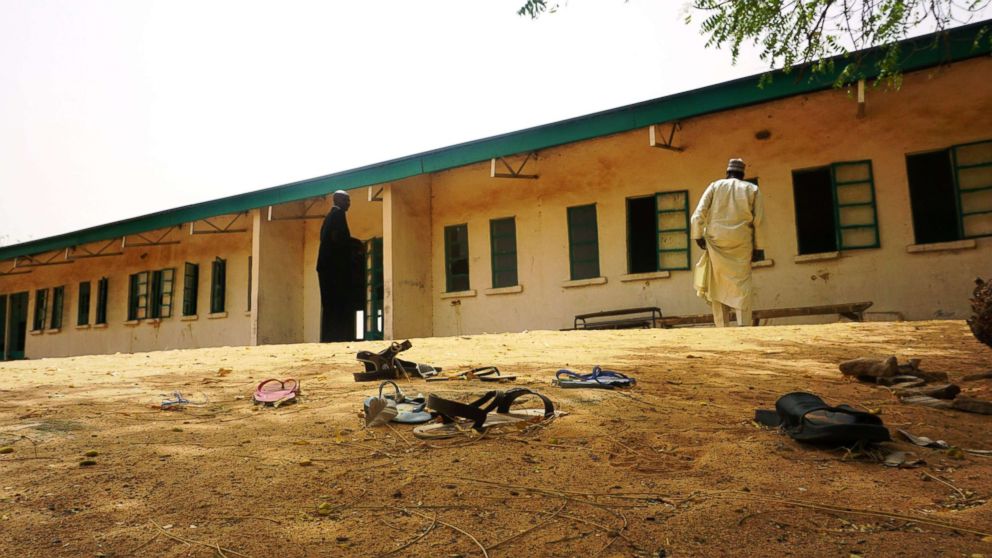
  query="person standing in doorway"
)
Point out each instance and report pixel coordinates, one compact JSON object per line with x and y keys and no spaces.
{"x":334,"y":271}
{"x":728,"y":226}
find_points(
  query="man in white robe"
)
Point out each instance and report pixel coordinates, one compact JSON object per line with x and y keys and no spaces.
{"x":728,"y":225}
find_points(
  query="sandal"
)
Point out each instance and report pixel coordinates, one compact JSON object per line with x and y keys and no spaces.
{"x":806,"y":418}
{"x":483,"y":373}
{"x":599,"y":378}
{"x":287,"y":390}
{"x":385,"y":366}
{"x":396,"y":407}
{"x":492,"y":410}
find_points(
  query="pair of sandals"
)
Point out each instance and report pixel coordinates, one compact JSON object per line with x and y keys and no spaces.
{"x":395,"y":407}
{"x":483,"y":374}
{"x":807,"y":418}
{"x":384,"y":365}
{"x":276,"y":392}
{"x":492,"y":411}
{"x":598,"y":379}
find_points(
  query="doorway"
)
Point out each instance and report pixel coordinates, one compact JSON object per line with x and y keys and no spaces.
{"x":13,"y":325}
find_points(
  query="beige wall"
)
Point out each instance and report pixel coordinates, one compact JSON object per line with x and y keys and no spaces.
{"x":174,"y":332}
{"x":408,"y":309}
{"x":808,"y":131}
{"x":278,"y":282}
{"x":364,"y":221}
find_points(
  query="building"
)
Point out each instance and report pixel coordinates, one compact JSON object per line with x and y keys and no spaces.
{"x":871,"y":195}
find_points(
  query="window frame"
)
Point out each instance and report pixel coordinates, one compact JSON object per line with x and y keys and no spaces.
{"x":138,"y":295}
{"x":40,"y":309}
{"x":58,"y":304}
{"x":686,"y":230}
{"x":840,"y":227}
{"x":449,"y":277}
{"x":103,"y":286}
{"x":959,"y":192}
{"x":571,"y":216}
{"x":83,"y":304}
{"x":493,"y":237}
{"x":218,"y":285}
{"x":191,"y":285}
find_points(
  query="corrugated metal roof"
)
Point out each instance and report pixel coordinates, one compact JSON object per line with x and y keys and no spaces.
{"x":919,"y":53}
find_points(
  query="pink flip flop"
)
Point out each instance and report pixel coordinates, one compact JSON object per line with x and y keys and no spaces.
{"x":275,"y":392}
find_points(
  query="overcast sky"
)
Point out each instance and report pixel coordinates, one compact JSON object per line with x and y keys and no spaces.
{"x":113,"y":109}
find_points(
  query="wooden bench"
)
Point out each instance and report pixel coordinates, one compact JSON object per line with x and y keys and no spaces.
{"x":627,"y":318}
{"x":854,"y":311}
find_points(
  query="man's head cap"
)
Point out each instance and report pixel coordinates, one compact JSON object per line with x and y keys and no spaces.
{"x":341,"y":193}
{"x":736,"y":165}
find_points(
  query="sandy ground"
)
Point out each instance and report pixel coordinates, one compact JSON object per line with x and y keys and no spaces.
{"x":673,"y":467}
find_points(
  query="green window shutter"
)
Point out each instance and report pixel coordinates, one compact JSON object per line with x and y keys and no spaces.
{"x":40,"y":308}
{"x":58,"y":300}
{"x":973,"y":180}
{"x":583,"y":242}
{"x":155,"y":295}
{"x":162,"y":287}
{"x":456,"y":258}
{"x":503,"y":248}
{"x":191,"y":282}
{"x":137,"y":305}
{"x":854,"y":205}
{"x":374,"y":289}
{"x":249,"y":283}
{"x":83,"y":313}
{"x":673,"y":230}
{"x":218,"y":286}
{"x":101,"y":301}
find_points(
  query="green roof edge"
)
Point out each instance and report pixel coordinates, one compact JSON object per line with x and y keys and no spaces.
{"x":919,"y":53}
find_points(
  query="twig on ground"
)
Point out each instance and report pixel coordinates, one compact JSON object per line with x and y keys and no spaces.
{"x":456,"y":528}
{"x":531,"y":528}
{"x":945,"y":483}
{"x":400,"y":435}
{"x":415,"y":540}
{"x":222,"y":552}
{"x":276,"y":521}
{"x":144,"y":544}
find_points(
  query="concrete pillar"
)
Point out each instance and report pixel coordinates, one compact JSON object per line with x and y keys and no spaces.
{"x":277,"y":280}
{"x":406,"y":249}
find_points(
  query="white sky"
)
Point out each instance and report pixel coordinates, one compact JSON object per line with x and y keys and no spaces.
{"x":111,"y":109}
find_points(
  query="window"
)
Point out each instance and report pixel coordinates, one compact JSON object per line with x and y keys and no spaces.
{"x":658,"y":232}
{"x":218,"y":286}
{"x":40,"y":309}
{"x":191,"y":282}
{"x":58,"y":299}
{"x":137,"y":298}
{"x":835,"y":207}
{"x":950,"y":192}
{"x":161,"y":293}
{"x":583,"y":242}
{"x":83,"y":313}
{"x":456,"y":258}
{"x":503,"y":244}
{"x":101,"y":301}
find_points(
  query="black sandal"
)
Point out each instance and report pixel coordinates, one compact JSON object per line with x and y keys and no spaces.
{"x":490,"y":410}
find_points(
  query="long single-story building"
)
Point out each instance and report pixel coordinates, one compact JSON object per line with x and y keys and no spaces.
{"x":870,"y":194}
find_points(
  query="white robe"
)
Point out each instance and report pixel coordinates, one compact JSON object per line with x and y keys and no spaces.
{"x":730,"y":217}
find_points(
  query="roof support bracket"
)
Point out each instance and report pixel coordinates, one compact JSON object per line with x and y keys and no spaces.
{"x":70,"y":252}
{"x":303,"y":213}
{"x":657,"y":139}
{"x":14,"y":270}
{"x":218,"y":229}
{"x":375,"y":195}
{"x":512,"y":172}
{"x":43,"y":259}
{"x":147,"y":239}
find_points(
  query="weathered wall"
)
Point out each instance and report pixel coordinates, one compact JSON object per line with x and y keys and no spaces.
{"x":929,"y":112}
{"x":407,"y":259}
{"x":230,"y":328}
{"x":364,"y":221}
{"x":278,"y":259}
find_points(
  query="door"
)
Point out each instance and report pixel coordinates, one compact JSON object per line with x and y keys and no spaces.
{"x":373,"y":289}
{"x":17,"y":326}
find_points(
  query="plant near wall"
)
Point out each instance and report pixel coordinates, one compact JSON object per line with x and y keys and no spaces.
{"x":807,"y":33}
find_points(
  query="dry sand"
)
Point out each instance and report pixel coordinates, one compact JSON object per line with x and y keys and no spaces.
{"x":675,"y":465}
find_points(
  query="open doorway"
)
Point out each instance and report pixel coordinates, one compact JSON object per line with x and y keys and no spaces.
{"x":13,"y":325}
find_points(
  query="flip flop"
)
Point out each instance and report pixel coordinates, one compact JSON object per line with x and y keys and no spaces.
{"x":483,"y":373}
{"x":382,"y":409}
{"x":598,"y":379}
{"x":268,"y":394}
{"x":492,"y":410}
{"x":807,"y":418}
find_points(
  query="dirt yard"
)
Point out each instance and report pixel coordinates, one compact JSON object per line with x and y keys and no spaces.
{"x":673,"y":467}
